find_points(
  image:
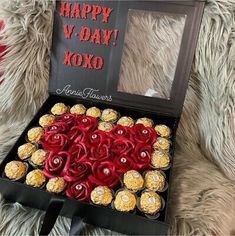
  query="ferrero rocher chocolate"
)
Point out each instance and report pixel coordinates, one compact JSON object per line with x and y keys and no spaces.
{"x":125,"y":201}
{"x":15,"y":170}
{"x":38,"y":158}
{"x":109,"y":115}
{"x":133,"y":180}
{"x":56,"y":185}
{"x":145,"y":121}
{"x":93,"y":112}
{"x":160,"y":159}
{"x":35,"y":178}
{"x":150,"y":202}
{"x":35,"y":134}
{"x":163,"y":131}
{"x":46,"y":120}
{"x":101,"y":195}
{"x":59,"y":109}
{"x":126,"y":121}
{"x":162,"y":144}
{"x":78,"y":109}
{"x":26,"y":150}
{"x":154,"y":180}
{"x":105,"y":126}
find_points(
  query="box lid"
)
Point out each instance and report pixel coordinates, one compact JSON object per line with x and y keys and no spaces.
{"x":130,"y":53}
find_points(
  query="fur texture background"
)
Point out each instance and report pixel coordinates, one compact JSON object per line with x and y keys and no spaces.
{"x":203,"y":188}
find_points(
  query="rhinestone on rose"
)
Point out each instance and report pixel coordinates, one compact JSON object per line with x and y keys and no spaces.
{"x":78,"y":187}
{"x":94,"y":136}
{"x":66,"y":117}
{"x":120,"y":132}
{"x":144,"y":131}
{"x":56,"y":161}
{"x":106,"y":171}
{"x":84,"y":120}
{"x":123,"y":160}
{"x":143,"y":154}
{"x":53,"y":128}
{"x":56,"y":136}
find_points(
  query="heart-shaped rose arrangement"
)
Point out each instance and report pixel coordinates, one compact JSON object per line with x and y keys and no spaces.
{"x":87,"y":157}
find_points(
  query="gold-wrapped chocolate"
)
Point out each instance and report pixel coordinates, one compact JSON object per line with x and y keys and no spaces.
{"x":133,"y":180}
{"x":163,"y":131}
{"x":145,"y":121}
{"x":26,"y":150}
{"x":105,"y":126}
{"x":162,"y":144}
{"x":101,"y":195}
{"x":59,"y":109}
{"x":154,"y":180}
{"x":125,"y":201}
{"x":56,"y":185}
{"x":46,"y":120}
{"x":126,"y":121}
{"x":160,"y":159}
{"x":35,"y":134}
{"x":150,"y":202}
{"x":93,"y":112}
{"x":35,"y":178}
{"x":15,"y":170}
{"x":78,"y":109}
{"x":38,"y":158}
{"x":109,"y":115}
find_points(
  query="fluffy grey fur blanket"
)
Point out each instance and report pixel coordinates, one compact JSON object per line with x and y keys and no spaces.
{"x":203,"y":189}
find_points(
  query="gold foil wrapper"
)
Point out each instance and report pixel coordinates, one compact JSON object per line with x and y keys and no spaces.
{"x":105,"y":126}
{"x":26,"y":150}
{"x":101,"y":195}
{"x":162,"y":144}
{"x":160,"y":159}
{"x":125,"y":201}
{"x":15,"y":170}
{"x":109,"y":115}
{"x":46,"y":120}
{"x":93,"y":112}
{"x":163,"y":131}
{"x":145,"y":121}
{"x":154,"y":180}
{"x":38,"y":158}
{"x":35,"y":178}
{"x":56,"y":185}
{"x":126,"y":121}
{"x":133,"y":180}
{"x":35,"y":134}
{"x":79,"y":109}
{"x":59,"y":109}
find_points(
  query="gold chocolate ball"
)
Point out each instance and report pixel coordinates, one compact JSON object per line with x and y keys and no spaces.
{"x":133,"y":180}
{"x":78,"y":109}
{"x":145,"y":121}
{"x":15,"y":170}
{"x":46,"y":120}
{"x":125,"y":201}
{"x":56,"y":185}
{"x":150,"y":202}
{"x":35,"y":134}
{"x":101,"y":195}
{"x":154,"y":180}
{"x":160,"y":159}
{"x":59,"y":109}
{"x":126,"y":121}
{"x":38,"y":158}
{"x":162,"y":144}
{"x":109,"y":115}
{"x":26,"y":150}
{"x":163,"y":131}
{"x":105,"y":126}
{"x":93,"y":112}
{"x":35,"y":178}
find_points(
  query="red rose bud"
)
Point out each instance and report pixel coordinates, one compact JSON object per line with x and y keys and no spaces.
{"x":96,"y":137}
{"x":79,"y":190}
{"x":77,"y":171}
{"x":87,"y":123}
{"x":123,"y":163}
{"x":142,"y":134}
{"x":55,"y":142}
{"x":57,"y":164}
{"x":122,"y":146}
{"x":104,"y":173}
{"x":69,"y":119}
{"x":79,"y":151}
{"x":76,"y":134}
{"x":56,"y":128}
{"x":120,"y":131}
{"x":142,"y":156}
{"x":100,"y":152}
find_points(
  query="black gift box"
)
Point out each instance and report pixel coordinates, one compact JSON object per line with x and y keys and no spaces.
{"x":89,"y":39}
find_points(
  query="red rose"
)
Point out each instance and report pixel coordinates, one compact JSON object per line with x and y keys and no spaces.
{"x":123,"y":163}
{"x":79,"y":151}
{"x":100,"y":152}
{"x":57,"y":164}
{"x":57,"y":128}
{"x":122,"y":146}
{"x":87,"y":123}
{"x":79,"y":190}
{"x":142,"y":156}
{"x":142,"y":134}
{"x":77,"y":171}
{"x":95,"y":138}
{"x":76,"y":134}
{"x":120,"y":131}
{"x":69,"y":119}
{"x":55,"y":142}
{"x":104,"y":173}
